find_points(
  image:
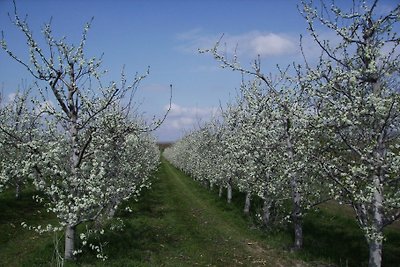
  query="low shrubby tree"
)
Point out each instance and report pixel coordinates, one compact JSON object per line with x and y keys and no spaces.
{"x":18,"y":126}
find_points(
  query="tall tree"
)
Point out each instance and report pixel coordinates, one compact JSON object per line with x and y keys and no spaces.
{"x":71,"y":161}
{"x":355,"y":90}
{"x":286,"y":106}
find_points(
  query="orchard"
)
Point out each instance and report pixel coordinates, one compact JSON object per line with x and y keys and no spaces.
{"x":325,"y":129}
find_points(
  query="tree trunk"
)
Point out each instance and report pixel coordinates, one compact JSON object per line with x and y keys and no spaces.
{"x":375,"y":243}
{"x":296,"y":215}
{"x":221,"y":188}
{"x":74,"y":157}
{"x":375,"y":253}
{"x":18,"y":191}
{"x":296,"y":196}
{"x":298,"y":233}
{"x":113,"y":208}
{"x":229,"y":192}
{"x":70,"y":233}
{"x":211,"y":186}
{"x":266,"y":216}
{"x":247,"y":203}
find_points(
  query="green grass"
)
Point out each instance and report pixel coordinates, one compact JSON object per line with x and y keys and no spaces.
{"x":331,"y":236}
{"x":332,"y":233}
{"x":176,"y":223}
{"x":19,"y":246}
{"x":180,"y":223}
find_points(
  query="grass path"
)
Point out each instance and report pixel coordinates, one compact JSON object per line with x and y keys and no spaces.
{"x":214,"y":236}
{"x":175,"y":223}
{"x":179,"y":223}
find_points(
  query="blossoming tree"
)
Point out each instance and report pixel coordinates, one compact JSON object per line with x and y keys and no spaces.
{"x":280,"y":111}
{"x":92,"y":152}
{"x":18,"y":127}
{"x":355,"y":90}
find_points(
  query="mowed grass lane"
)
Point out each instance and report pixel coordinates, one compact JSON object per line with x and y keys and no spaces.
{"x":210,"y":235}
{"x":175,"y":223}
{"x":180,"y":223}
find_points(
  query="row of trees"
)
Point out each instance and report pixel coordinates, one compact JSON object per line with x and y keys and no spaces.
{"x":330,"y":131}
{"x":77,"y":140}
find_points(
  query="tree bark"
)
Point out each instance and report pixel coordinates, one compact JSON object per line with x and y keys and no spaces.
{"x":296,"y":196}
{"x":298,"y":232}
{"x":70,"y":233}
{"x":296,"y":215}
{"x":113,"y":209}
{"x":375,"y":243}
{"x":375,"y":253}
{"x":229,"y":192}
{"x":247,"y":203}
{"x":266,"y":216}
{"x":221,"y":188}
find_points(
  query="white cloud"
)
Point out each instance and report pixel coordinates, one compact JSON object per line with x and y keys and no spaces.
{"x":5,"y":100}
{"x":180,"y":112}
{"x":182,"y":123}
{"x":250,"y":44}
{"x":312,"y":50}
{"x":182,"y":118}
{"x":11,"y":97}
{"x":272,"y":44}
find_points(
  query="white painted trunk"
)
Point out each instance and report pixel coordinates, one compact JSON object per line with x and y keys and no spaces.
{"x":375,"y":245}
{"x":375,"y":253}
{"x":70,"y":232}
{"x":247,"y":203}
{"x":229,"y":193}
{"x":221,"y":188}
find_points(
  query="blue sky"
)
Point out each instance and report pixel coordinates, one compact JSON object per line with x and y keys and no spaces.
{"x":165,"y":35}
